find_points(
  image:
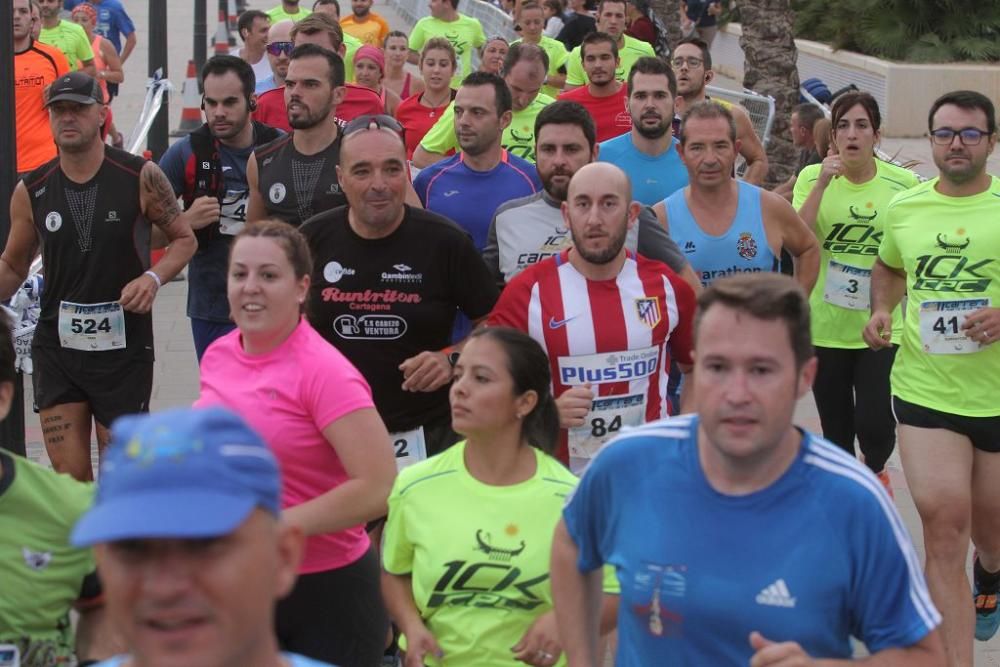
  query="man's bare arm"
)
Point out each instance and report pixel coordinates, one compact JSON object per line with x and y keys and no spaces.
{"x":750,"y":148}
{"x":22,"y":244}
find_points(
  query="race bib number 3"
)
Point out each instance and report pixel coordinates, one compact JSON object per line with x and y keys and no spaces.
{"x":941,"y":326}
{"x":409,"y":446}
{"x":608,"y":415}
{"x":847,"y":286}
{"x":91,"y":327}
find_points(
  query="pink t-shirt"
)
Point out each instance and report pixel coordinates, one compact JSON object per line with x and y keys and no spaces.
{"x":290,"y":395}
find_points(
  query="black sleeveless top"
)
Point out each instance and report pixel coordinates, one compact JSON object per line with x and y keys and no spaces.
{"x":94,"y":240}
{"x":295,"y":187}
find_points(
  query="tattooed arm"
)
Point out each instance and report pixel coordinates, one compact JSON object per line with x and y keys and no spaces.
{"x":22,"y":243}
{"x":159,"y":205}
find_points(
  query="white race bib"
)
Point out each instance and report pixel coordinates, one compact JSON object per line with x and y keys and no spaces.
{"x":410,"y":447}
{"x":234,"y":212}
{"x":608,"y":415}
{"x":941,"y":325}
{"x":847,"y":286}
{"x":92,"y":327}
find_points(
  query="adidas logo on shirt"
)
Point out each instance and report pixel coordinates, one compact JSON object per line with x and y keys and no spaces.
{"x":776,"y":595}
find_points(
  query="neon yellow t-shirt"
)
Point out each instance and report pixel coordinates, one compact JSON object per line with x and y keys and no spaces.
{"x":464,"y":33}
{"x":632,"y":50}
{"x":518,"y":137}
{"x":949,"y":248}
{"x":71,"y":39}
{"x":351,"y":46}
{"x":558,"y":55}
{"x":478,"y":554}
{"x":849,"y":229}
{"x":278,"y":13}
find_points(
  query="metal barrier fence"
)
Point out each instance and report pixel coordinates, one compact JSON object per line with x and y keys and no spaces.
{"x":760,"y":108}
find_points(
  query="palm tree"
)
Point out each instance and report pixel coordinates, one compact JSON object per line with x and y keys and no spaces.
{"x":668,"y":11}
{"x":768,"y":44}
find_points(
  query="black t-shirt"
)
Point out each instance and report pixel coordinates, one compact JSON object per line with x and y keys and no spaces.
{"x":295,"y":187}
{"x":95,"y":240}
{"x":382,"y":301}
{"x":577,"y":26}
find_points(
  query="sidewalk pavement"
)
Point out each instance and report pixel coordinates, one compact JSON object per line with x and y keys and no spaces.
{"x":176,"y":374}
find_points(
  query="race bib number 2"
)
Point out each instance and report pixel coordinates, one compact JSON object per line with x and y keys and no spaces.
{"x":409,"y":446}
{"x":941,"y":325}
{"x":91,"y":327}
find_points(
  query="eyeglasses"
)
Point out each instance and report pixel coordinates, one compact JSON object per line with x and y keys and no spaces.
{"x":277,"y":48}
{"x":373,"y":122}
{"x":691,"y":61}
{"x":969,"y":136}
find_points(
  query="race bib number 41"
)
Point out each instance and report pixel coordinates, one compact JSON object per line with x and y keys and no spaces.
{"x":941,"y":325}
{"x":92,"y":327}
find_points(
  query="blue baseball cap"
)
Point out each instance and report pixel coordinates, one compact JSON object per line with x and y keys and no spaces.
{"x":182,"y":474}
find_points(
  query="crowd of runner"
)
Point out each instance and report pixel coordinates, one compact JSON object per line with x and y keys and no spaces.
{"x":497,"y":361}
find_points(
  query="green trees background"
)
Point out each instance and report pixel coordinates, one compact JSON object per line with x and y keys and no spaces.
{"x":907,"y":30}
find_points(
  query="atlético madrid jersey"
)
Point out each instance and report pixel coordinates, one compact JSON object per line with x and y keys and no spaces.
{"x":616,"y":335}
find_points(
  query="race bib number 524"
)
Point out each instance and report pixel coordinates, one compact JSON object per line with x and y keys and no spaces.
{"x":91,"y":327}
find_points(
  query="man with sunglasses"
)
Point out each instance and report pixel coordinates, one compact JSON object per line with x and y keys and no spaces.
{"x":279,"y":46}
{"x":387,"y":284}
{"x":692,"y":63}
{"x":940,"y":246}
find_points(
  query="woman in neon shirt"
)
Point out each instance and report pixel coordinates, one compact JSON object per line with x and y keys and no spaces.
{"x":492,"y":53}
{"x":315,"y":411}
{"x":467,"y":542}
{"x":843,"y":200}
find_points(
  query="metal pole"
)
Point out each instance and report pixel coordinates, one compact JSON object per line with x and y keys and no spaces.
{"x":200,"y":38}
{"x":11,"y":428}
{"x":159,"y":132}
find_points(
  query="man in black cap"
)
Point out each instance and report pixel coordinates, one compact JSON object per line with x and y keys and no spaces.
{"x":91,"y":210}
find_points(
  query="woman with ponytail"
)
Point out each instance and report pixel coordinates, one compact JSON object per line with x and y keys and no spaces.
{"x":467,"y":542}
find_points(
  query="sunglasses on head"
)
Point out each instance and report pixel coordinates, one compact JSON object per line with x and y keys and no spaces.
{"x":373,"y":122}
{"x":277,"y":48}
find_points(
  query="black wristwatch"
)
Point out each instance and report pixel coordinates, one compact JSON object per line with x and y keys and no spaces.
{"x":453,"y":358}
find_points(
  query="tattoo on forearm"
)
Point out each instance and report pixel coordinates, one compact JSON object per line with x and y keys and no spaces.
{"x":161,"y":202}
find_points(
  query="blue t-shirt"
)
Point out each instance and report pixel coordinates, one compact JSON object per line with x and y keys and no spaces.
{"x":470,"y":198}
{"x":818,"y":556}
{"x":653,"y":178}
{"x":293,"y":659}
{"x":207,"y":298}
{"x":265,"y":84}
{"x":112,"y":20}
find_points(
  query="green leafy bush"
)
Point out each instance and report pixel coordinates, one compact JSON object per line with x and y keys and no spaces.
{"x":906,"y":30}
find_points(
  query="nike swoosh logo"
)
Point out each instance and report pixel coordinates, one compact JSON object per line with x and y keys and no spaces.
{"x":555,"y":324}
{"x":226,"y":168}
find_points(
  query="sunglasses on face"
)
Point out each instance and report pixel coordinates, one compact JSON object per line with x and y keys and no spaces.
{"x":277,"y":48}
{"x":373,"y":122}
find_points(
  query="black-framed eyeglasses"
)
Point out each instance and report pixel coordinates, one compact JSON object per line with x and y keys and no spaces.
{"x":969,"y":136}
{"x":691,"y":61}
{"x":277,"y":48}
{"x":373,"y":122}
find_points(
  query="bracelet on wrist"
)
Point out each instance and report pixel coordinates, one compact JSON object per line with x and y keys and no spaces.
{"x":156,"y":278}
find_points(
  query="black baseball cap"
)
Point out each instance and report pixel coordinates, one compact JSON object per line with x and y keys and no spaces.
{"x":77,"y":87}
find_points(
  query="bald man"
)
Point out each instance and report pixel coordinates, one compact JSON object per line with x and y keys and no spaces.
{"x":609,"y":319}
{"x":278,"y":49}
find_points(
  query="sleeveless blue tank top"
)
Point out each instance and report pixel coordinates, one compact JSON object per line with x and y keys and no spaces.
{"x":742,"y":248}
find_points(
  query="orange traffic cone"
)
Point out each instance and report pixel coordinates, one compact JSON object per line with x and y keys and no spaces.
{"x":191,"y":112}
{"x":222,"y":38}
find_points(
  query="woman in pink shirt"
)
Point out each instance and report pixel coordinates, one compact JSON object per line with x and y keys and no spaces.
{"x":315,"y":411}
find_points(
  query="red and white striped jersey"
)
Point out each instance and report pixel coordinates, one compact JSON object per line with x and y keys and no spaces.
{"x":617,"y":335}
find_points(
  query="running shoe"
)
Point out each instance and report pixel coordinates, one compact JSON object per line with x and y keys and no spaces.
{"x":987,"y":615}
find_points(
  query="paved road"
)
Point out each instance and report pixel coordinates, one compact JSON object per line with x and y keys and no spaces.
{"x":176,"y":378}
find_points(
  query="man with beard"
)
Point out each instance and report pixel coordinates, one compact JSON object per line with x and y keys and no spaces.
{"x":648,"y":154}
{"x":524,"y":70}
{"x":279,"y":46}
{"x":611,"y":18}
{"x":387,"y":284}
{"x":467,"y":188}
{"x":208,"y":169}
{"x":604,"y":96}
{"x":610,"y":320}
{"x":91,"y":210}
{"x":692,"y":63}
{"x":364,"y":24}
{"x":940,"y":247}
{"x":295,"y":177}
{"x":526,"y":231}
{"x":66,"y":36}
